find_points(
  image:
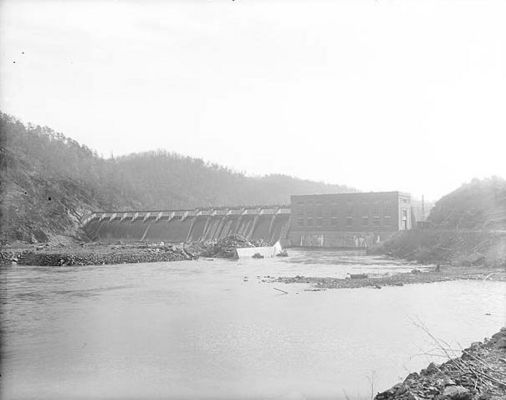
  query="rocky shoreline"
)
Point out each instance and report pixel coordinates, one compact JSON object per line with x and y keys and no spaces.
{"x":94,"y":254}
{"x":478,"y":374}
{"x":69,"y":254}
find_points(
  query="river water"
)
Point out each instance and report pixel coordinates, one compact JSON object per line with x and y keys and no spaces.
{"x":213,"y":329}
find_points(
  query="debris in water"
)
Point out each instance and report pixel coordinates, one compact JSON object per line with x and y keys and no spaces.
{"x":282,"y":253}
{"x":226,"y":247}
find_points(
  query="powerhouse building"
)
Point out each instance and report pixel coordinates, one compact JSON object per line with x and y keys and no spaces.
{"x":348,"y":219}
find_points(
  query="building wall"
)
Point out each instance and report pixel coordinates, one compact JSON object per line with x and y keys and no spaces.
{"x":348,"y":219}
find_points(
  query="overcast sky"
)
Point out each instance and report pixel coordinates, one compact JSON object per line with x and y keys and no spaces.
{"x":379,"y":95}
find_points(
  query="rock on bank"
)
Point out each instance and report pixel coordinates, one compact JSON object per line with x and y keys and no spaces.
{"x":97,"y":254}
{"x":121,"y":253}
{"x":478,"y":374}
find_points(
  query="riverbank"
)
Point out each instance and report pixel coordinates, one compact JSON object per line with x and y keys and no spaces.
{"x":95,"y":254}
{"x":422,"y":275}
{"x":73,"y":253}
{"x":478,"y":374}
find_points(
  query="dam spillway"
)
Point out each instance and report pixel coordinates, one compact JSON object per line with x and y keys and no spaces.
{"x":269,"y":224}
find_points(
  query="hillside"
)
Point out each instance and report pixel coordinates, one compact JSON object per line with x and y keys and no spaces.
{"x":49,"y":181}
{"x":480,"y":204}
{"x":465,"y":227}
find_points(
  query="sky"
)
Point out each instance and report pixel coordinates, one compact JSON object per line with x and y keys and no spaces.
{"x":378,"y":95}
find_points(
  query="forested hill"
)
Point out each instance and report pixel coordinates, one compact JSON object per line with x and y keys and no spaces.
{"x":465,"y":227}
{"x":478,"y":205}
{"x":48,"y":182}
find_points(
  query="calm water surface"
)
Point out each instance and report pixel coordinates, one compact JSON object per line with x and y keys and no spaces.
{"x":212,"y":329}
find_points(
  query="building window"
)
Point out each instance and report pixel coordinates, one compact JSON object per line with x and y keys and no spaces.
{"x":333,"y":212}
{"x":320,"y":221}
{"x":404,"y":218}
{"x":387,"y":220}
{"x":376,"y":221}
{"x":333,"y":221}
{"x":349,"y":207}
{"x":365,"y":220}
{"x":376,"y":208}
{"x":300,"y":222}
{"x":310,"y":222}
{"x":319,"y":211}
{"x":349,"y":221}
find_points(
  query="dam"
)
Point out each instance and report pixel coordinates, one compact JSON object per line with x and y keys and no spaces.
{"x":341,"y":220}
{"x":269,"y":223}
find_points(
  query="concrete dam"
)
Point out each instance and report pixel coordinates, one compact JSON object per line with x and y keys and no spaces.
{"x":266,"y":223}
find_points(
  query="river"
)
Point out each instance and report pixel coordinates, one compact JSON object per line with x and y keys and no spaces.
{"x":213,"y":329}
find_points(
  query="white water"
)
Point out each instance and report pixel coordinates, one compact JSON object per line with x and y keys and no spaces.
{"x":200,"y":329}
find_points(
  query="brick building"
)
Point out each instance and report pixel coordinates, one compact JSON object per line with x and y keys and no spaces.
{"x":348,"y":219}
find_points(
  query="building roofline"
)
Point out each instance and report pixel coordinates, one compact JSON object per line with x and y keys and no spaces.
{"x":350,"y":194}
